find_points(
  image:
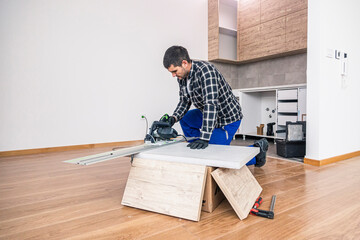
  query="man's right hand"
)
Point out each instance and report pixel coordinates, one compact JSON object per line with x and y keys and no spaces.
{"x":169,"y":119}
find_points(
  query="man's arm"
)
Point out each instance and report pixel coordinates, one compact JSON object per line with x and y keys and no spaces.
{"x":183,"y":105}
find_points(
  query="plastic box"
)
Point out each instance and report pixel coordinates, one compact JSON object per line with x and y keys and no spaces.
{"x":290,"y":149}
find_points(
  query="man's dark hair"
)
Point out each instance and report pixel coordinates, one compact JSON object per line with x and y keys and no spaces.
{"x":174,"y":56}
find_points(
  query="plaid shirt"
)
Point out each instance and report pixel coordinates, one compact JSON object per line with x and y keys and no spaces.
{"x":210,"y":93}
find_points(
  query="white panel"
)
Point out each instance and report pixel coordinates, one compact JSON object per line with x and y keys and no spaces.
{"x":302,"y":104}
{"x":227,"y":46}
{"x":228,"y":15}
{"x":287,"y":94}
{"x":288,"y":107}
{"x":214,"y":155}
{"x":254,"y":106}
{"x":333,"y":110}
{"x":251,"y":109}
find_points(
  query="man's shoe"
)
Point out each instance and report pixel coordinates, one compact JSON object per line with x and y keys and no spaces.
{"x":261,"y":157}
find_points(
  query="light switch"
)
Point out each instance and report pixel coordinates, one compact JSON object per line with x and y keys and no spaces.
{"x":337,"y":54}
{"x":329,"y":53}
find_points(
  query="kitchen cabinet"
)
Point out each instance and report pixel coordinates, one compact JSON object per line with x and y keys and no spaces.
{"x":260,"y":29}
{"x":291,"y":107}
{"x":277,"y":104}
{"x":222,"y":31}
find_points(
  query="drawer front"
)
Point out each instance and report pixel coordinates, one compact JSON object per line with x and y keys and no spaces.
{"x":283,"y":119}
{"x":291,"y":94}
{"x":287,"y":107}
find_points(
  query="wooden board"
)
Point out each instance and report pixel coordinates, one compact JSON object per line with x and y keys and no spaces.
{"x":239,"y":187}
{"x":213,"y":155}
{"x":169,"y":188}
{"x":213,"y":196}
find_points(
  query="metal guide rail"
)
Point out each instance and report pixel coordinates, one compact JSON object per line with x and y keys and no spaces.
{"x":101,"y":157}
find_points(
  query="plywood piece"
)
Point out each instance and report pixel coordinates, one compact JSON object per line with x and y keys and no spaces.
{"x":214,"y":155}
{"x":169,"y":188}
{"x":239,"y":187}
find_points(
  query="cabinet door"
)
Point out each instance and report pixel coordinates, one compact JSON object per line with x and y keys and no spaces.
{"x":249,"y":44}
{"x":296,"y":30}
{"x":273,"y":36}
{"x":295,"y":5}
{"x":272,"y":9}
{"x":248,"y":14}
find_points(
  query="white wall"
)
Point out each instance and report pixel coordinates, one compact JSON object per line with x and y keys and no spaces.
{"x":84,"y":71}
{"x":333,"y":104}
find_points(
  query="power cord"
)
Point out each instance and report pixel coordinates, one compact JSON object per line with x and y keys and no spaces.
{"x":147,"y":125}
{"x":183,"y":136}
{"x":146,"y":131}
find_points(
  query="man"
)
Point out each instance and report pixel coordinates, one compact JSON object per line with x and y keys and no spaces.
{"x":218,"y":113}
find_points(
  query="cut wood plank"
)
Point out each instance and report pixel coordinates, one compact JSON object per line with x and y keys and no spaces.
{"x":174,"y":189}
{"x":101,"y":157}
{"x":239,"y":187}
{"x":214,"y":155}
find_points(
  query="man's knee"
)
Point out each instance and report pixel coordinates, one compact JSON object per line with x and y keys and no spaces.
{"x":192,"y":119}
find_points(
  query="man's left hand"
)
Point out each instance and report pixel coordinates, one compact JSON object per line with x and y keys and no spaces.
{"x":198,"y":144}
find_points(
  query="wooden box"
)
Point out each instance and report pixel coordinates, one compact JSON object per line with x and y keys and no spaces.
{"x":213,"y":196}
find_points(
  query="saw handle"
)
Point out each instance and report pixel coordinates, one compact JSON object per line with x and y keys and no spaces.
{"x":161,"y":124}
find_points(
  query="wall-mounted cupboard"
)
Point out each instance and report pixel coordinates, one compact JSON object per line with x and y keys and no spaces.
{"x":263,"y":29}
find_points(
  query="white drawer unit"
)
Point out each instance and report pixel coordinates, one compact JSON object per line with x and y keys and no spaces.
{"x":290,"y":94}
{"x":290,"y":107}
{"x":282,"y":119}
{"x":271,"y":106}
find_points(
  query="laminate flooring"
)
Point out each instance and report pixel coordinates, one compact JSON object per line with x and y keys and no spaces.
{"x":43,"y":198}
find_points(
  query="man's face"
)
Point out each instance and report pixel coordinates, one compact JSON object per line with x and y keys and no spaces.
{"x":179,"y":71}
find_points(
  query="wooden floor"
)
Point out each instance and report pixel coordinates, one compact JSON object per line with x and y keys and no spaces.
{"x":43,"y":198}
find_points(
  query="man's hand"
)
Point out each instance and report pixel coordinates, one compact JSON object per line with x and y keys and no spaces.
{"x":198,"y":144}
{"x":167,"y":118}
